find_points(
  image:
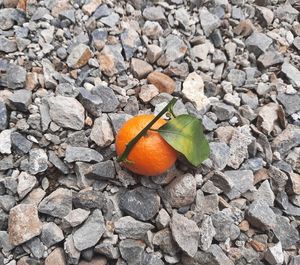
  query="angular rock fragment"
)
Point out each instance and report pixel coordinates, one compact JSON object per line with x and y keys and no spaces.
{"x":89,"y":199}
{"x":154,"y":13}
{"x":209,"y":22}
{"x":292,"y":73}
{"x":26,"y":183}
{"x":76,"y":217}
{"x":23,"y":223}
{"x":7,"y":45}
{"x":270,"y":58}
{"x":291,"y":103}
{"x":274,"y":255}
{"x":140,"y":68}
{"x":163,"y":82}
{"x":57,"y":256}
{"x":83,"y":154}
{"x":103,"y":170}
{"x":207,"y":233}
{"x":79,"y":56}
{"x":16,"y":76}
{"x":51,"y":234}
{"x":130,"y":41}
{"x":132,"y":251}
{"x":3,"y":116}
{"x":5,"y":141}
{"x":258,"y":43}
{"x":20,"y":100}
{"x":38,"y":161}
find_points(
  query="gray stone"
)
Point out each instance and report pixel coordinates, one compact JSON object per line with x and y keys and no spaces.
{"x":294,"y":260}
{"x":293,"y":159}
{"x":57,"y":162}
{"x":206,"y":204}
{"x":260,"y":215}
{"x":140,"y":68}
{"x":5,"y":142}
{"x":286,"y":233}
{"x":117,"y":120}
{"x":36,"y":247}
{"x":292,"y":73}
{"x":151,"y":259}
{"x":162,"y":219}
{"x":108,"y":250}
{"x":223,"y":111}
{"x":174,"y":50}
{"x":38,"y":161}
{"x":16,"y":76}
{"x":78,"y":139}
{"x":152,"y":30}
{"x":7,"y":45}
{"x":207,"y":233}
{"x":102,"y":133}
{"x":6,"y":163}
{"x":250,"y":99}
{"x":5,"y":245}
{"x":242,"y":181}
{"x":265,"y":193}
{"x":23,"y":224}
{"x":89,"y":199}
{"x":26,"y":183}
{"x":130,"y":41}
{"x":20,"y":144}
{"x":258,"y":43}
{"x":66,"y":112}
{"x":57,"y":204}
{"x":154,"y":13}
{"x":111,"y":20}
{"x":109,"y":99}
{"x":73,"y":255}
{"x":103,"y":170}
{"x":140,"y":203}
{"x":224,"y":226}
{"x":91,"y":102}
{"x":45,"y":115}
{"x":236,"y":77}
{"x":209,"y":22}
{"x":90,"y":232}
{"x":291,"y":103}
{"x":79,"y":56}
{"x":99,"y":37}
{"x":219,"y":155}
{"x":274,"y":255}
{"x":286,"y":13}
{"x":165,"y":241}
{"x":222,"y":181}
{"x":296,"y":43}
{"x":83,"y":154}
{"x":186,"y":233}
{"x":132,"y":251}
{"x":3,"y":116}
{"x":153,"y":53}
{"x":182,"y":16}
{"x":181,"y":191}
{"x":51,"y":234}
{"x":67,"y":90}
{"x":76,"y":217}
{"x":128,"y":227}
{"x":49,"y":74}
{"x":270,"y":58}
{"x":287,"y":139}
{"x":7,"y":202}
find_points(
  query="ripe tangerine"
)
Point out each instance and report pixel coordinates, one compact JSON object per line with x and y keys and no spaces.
{"x":151,"y":155}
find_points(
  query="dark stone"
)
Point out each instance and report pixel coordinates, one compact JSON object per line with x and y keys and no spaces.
{"x":20,"y":100}
{"x":109,"y":99}
{"x":291,"y":103}
{"x":92,"y":103}
{"x":20,"y":144}
{"x":103,"y":170}
{"x":141,"y":203}
{"x":89,"y":199}
{"x":3,"y":116}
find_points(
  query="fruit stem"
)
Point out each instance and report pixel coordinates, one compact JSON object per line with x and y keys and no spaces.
{"x":131,"y":144}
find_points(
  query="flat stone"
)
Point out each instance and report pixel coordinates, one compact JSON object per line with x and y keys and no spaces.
{"x":89,"y":199}
{"x":291,"y":103}
{"x":57,"y":256}
{"x":66,"y":112}
{"x":286,"y":13}
{"x":79,"y":56}
{"x":207,"y":233}
{"x":6,"y":163}
{"x":132,"y":251}
{"x":91,"y":102}
{"x":23,"y":223}
{"x":128,"y":227}
{"x":94,"y":261}
{"x":162,"y":219}
{"x":140,"y":203}
{"x":258,"y":43}
{"x":20,"y":144}
{"x":140,"y":68}
{"x":270,"y":58}
{"x":7,"y":202}
{"x":99,"y":36}
{"x":154,"y":13}
{"x":57,"y":162}
{"x":165,"y":241}
{"x":5,"y":142}
{"x":76,"y":217}
{"x":130,"y":41}
{"x":103,"y":170}
{"x":57,"y":204}
{"x":26,"y":183}
{"x":108,"y":250}
{"x":193,"y":90}
{"x":7,"y":45}
{"x":222,"y":181}
{"x":108,"y":97}
{"x":16,"y":76}
{"x":209,"y":22}
{"x":51,"y":234}
{"x":152,"y":259}
{"x":177,"y":69}
{"x":181,"y":191}
{"x":293,"y":159}
{"x":90,"y":232}
{"x":260,"y":215}
{"x":287,"y":139}
{"x":152,"y":29}
{"x":292,"y":73}
{"x":111,"y":20}
{"x":186,"y":233}
{"x":38,"y":161}
{"x":83,"y":154}
{"x":49,"y":73}
{"x":35,"y":247}
{"x":242,"y":181}
{"x":111,"y":60}
{"x":206,"y":204}
{"x":117,"y":120}
{"x":3,"y":116}
{"x":163,"y":82}
{"x":274,"y":255}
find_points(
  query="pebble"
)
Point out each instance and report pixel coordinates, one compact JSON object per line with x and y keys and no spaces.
{"x":163,"y":82}
{"x":83,"y":154}
{"x":5,"y":142}
{"x":130,"y":41}
{"x":38,"y":161}
{"x":26,"y":183}
{"x":152,"y":29}
{"x":76,"y":217}
{"x":209,"y":22}
{"x":154,"y":13}
{"x":258,"y":43}
{"x":57,"y":256}
{"x":140,"y":68}
{"x":51,"y":234}
{"x":274,"y":255}
{"x":207,"y":233}
{"x":16,"y":76}
{"x":89,"y":199}
{"x":140,"y":203}
{"x":23,"y":224}
{"x":20,"y":100}
{"x":153,"y":53}
{"x":292,"y":73}
{"x":132,"y":251}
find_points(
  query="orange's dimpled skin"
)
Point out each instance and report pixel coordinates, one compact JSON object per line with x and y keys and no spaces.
{"x":152,"y":155}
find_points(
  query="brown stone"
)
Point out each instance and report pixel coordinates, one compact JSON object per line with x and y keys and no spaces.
{"x":244,"y":28}
{"x":225,"y":133}
{"x":244,"y":225}
{"x":32,"y":81}
{"x":258,"y":246}
{"x":260,"y":175}
{"x":295,"y":182}
{"x":22,"y":4}
{"x":23,"y":223}
{"x":95,"y":261}
{"x":91,"y":6}
{"x":163,"y":82}
{"x":10,"y":3}
{"x":140,"y":68}
{"x":60,"y":6}
{"x":56,"y":257}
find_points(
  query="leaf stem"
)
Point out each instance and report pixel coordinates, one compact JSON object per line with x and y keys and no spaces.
{"x":131,"y":144}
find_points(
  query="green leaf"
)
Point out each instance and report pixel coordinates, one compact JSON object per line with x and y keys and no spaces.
{"x":185,"y":134}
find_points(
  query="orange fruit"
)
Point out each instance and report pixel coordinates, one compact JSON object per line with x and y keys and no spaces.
{"x":151,"y":155}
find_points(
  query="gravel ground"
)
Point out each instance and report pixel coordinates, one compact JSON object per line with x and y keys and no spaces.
{"x":73,"y":71}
